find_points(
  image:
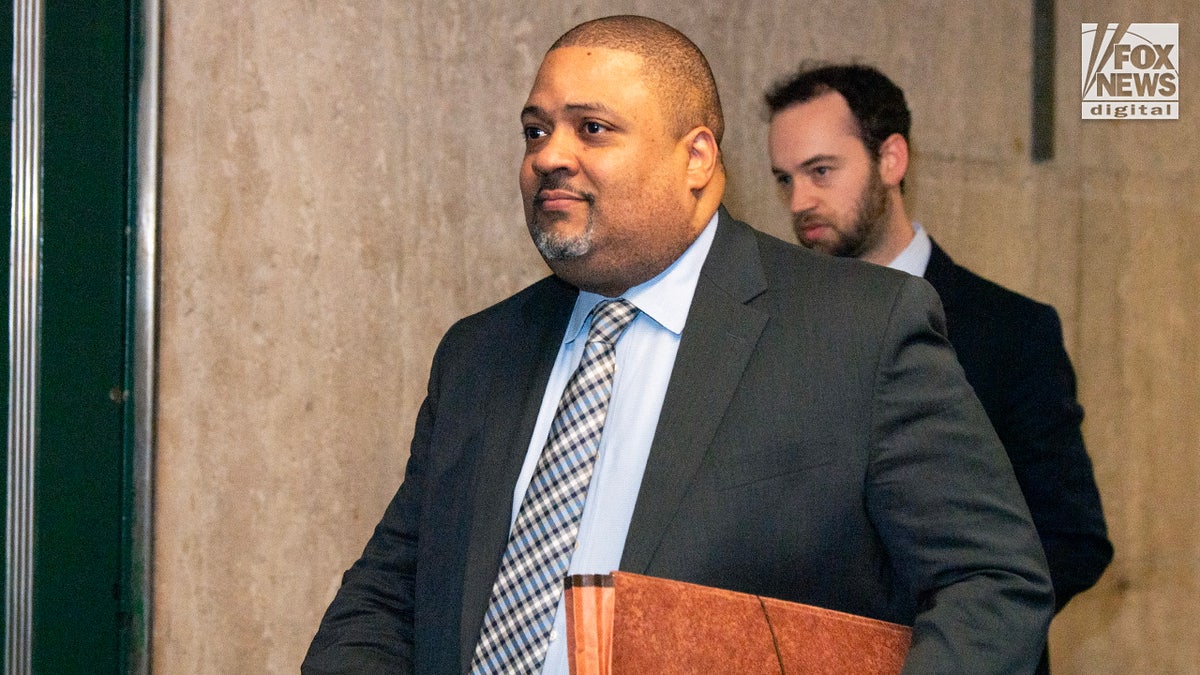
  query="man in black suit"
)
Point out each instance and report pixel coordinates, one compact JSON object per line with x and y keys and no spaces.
{"x":780,"y":423}
{"x":839,"y":151}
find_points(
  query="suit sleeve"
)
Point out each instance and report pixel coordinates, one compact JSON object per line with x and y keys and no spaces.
{"x":1039,"y":426}
{"x":368,"y":628}
{"x":946,"y":504}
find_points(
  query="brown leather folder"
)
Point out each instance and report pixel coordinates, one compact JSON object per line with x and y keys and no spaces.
{"x":629,"y":624}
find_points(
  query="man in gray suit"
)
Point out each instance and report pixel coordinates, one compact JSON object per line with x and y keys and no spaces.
{"x":780,"y":422}
{"x":839,"y":145}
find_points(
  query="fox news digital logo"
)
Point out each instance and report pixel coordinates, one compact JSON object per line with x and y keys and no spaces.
{"x":1131,"y":71}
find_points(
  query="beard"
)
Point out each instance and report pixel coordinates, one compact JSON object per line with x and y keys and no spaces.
{"x":864,"y":231}
{"x":555,"y":245}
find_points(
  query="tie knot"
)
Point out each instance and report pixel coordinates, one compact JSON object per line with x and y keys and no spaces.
{"x":610,"y":318}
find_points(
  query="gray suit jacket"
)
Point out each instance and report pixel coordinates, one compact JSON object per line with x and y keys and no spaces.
{"x":818,"y":443}
{"x":1011,"y":349}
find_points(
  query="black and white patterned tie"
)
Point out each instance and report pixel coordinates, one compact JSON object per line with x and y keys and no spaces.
{"x":525,"y":596}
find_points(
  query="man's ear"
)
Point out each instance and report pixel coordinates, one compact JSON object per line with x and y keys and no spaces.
{"x":893,"y":160}
{"x":704,"y":157}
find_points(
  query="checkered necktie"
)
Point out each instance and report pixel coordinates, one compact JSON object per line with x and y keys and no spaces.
{"x":525,"y":596}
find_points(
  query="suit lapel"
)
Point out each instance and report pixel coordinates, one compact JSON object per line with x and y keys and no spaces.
{"x":717,"y":342}
{"x":529,"y":346}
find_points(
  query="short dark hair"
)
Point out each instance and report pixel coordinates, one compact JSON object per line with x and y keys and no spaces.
{"x":876,"y":102}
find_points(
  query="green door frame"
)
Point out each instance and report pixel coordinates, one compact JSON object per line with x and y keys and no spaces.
{"x":83,"y":152}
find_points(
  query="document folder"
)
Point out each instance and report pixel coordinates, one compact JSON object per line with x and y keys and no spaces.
{"x":629,"y":624}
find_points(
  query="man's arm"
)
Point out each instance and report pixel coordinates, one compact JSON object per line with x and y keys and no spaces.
{"x":1040,"y":428}
{"x":945,"y":502}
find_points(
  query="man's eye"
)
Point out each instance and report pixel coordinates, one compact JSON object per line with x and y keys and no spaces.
{"x":533,"y":133}
{"x":783,"y":179}
{"x":593,"y":127}
{"x":821,"y":170}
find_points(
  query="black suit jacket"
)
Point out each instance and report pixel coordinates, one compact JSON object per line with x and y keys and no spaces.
{"x":1011,"y":349}
{"x":818,"y":443}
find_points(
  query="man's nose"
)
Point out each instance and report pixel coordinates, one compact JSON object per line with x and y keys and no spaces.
{"x":802,"y":198}
{"x":556,"y":152}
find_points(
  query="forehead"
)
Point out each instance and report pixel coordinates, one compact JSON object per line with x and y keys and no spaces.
{"x":819,"y":123}
{"x":825,"y":115}
{"x":590,"y":75}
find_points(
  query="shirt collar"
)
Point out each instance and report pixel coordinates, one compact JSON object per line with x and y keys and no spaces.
{"x":665,"y":299}
{"x":915,"y":257}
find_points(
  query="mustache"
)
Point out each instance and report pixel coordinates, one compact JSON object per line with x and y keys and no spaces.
{"x":556,"y":182}
{"x":807,"y":219}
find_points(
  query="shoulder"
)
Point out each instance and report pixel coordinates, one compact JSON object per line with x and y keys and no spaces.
{"x":799,"y":272}
{"x":547,"y":292}
{"x":847,"y":301}
{"x":543,"y":303}
{"x":1009,"y":344}
{"x":971,"y":299}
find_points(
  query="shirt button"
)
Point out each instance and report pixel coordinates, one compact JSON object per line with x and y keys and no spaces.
{"x":553,"y":635}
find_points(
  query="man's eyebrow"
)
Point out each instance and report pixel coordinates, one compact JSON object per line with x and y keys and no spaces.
{"x":591,"y":107}
{"x":806,"y":164}
{"x":585,"y":107}
{"x":818,"y":159}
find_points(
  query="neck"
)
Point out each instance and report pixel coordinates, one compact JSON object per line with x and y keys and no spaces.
{"x":898,"y":233}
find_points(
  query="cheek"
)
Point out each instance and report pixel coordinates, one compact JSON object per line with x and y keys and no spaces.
{"x":843,"y":192}
{"x":526,"y":179}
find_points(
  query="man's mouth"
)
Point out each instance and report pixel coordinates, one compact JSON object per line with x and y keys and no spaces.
{"x":810,"y":226}
{"x":558,"y":199}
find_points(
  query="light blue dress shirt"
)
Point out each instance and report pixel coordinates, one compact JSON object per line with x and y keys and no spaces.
{"x":645,"y":357}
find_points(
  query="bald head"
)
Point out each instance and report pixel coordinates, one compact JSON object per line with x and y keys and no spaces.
{"x":674,"y":64}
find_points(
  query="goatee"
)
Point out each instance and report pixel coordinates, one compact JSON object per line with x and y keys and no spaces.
{"x":555,"y":245}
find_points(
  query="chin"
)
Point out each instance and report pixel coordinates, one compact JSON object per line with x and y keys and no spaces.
{"x":557,"y":240}
{"x":555,"y":246}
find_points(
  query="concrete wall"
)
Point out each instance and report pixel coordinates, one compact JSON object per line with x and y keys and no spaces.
{"x":339,"y":184}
